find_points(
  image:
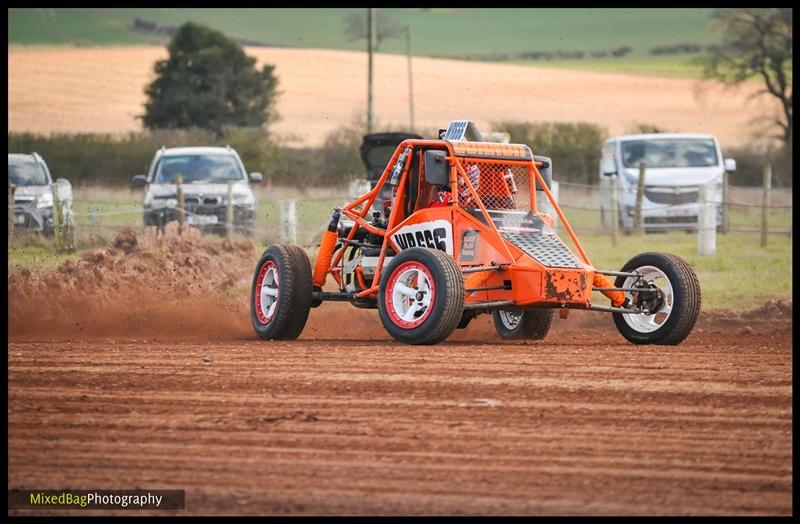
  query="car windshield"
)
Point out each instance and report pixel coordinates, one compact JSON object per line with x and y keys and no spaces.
{"x":26,"y":172}
{"x":678,"y":152}
{"x":198,"y":168}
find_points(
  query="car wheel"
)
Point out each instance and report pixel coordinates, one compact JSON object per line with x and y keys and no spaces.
{"x":531,"y":324}
{"x":280,"y":297}
{"x":673,"y":310}
{"x":421,"y":296}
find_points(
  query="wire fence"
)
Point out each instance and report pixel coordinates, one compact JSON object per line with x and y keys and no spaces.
{"x":299,"y":216}
{"x":740,"y":209}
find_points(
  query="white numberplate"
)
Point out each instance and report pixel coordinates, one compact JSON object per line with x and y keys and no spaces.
{"x":677,"y":212}
{"x":201,"y":220}
{"x":19,"y":219}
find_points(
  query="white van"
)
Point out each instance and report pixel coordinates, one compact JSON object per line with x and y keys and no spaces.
{"x":677,"y":165}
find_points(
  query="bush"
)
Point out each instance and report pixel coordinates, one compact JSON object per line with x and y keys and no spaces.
{"x":750,"y":163}
{"x":621,"y":51}
{"x":114,"y":159}
{"x":574,"y":148}
{"x":257,"y":152}
{"x":338,"y":160}
{"x":643,"y":127}
{"x":676,"y":49}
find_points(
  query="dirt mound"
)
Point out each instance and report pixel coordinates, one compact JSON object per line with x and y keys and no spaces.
{"x":126,"y":239}
{"x":179,"y":285}
{"x":775,"y":308}
{"x":154,"y":284}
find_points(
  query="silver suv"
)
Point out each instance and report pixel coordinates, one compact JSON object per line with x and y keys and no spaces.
{"x":33,"y":187}
{"x":207,"y":174}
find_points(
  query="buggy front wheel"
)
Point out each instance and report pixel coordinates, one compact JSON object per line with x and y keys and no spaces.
{"x":421,"y":296}
{"x":672,"y":301}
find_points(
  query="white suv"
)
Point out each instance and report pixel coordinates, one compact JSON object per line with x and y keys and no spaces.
{"x":33,"y":186}
{"x":206,"y":173}
{"x":677,"y":164}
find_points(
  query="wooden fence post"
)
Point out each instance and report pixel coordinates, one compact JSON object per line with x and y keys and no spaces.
{"x":179,"y":195}
{"x":638,"y":221}
{"x":229,"y":209}
{"x":765,"y":203}
{"x":58,"y":218}
{"x":725,"y":209}
{"x":11,"y":215}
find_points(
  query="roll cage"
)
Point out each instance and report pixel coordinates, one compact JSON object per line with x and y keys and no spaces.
{"x":458,"y":155}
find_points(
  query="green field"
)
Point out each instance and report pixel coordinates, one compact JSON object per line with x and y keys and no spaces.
{"x":734,"y":278}
{"x":435,"y":32}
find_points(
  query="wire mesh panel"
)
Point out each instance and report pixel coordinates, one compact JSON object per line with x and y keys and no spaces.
{"x":499,"y":185}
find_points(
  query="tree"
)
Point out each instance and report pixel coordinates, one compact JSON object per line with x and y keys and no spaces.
{"x":756,"y":42}
{"x":355,"y":27}
{"x":209,"y":82}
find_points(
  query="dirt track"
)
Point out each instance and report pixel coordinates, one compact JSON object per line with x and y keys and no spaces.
{"x":137,"y":367}
{"x":102,"y":90}
{"x":580,"y":424}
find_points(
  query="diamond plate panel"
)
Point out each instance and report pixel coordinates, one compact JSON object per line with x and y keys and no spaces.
{"x":546,"y":248}
{"x":528,"y":231}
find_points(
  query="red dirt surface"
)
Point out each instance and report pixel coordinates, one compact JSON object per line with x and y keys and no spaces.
{"x":580,"y":423}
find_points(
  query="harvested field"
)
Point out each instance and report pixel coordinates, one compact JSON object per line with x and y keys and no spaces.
{"x":349,"y":422}
{"x":102,"y":90}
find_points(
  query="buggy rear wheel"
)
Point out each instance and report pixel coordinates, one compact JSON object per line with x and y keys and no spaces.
{"x":530,"y":324}
{"x":280,"y":297}
{"x":674,"y":303}
{"x":421,"y":296}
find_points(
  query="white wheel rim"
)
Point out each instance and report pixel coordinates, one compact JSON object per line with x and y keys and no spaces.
{"x":510,"y":319}
{"x":653,"y":321}
{"x":411,"y":294}
{"x":269,"y":293}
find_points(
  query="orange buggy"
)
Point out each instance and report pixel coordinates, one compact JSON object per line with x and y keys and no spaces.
{"x":463,"y":235}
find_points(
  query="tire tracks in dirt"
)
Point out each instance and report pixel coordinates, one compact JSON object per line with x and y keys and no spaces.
{"x":317,"y":427}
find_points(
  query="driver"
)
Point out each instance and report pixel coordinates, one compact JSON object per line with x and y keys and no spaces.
{"x":474,"y":174}
{"x":445,"y":198}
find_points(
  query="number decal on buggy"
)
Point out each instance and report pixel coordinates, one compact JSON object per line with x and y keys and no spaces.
{"x":437,"y":234}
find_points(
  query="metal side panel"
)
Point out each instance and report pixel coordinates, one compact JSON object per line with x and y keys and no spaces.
{"x":527,"y":231}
